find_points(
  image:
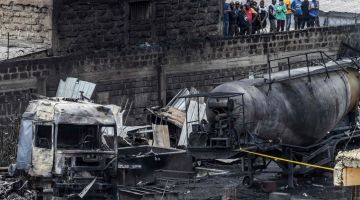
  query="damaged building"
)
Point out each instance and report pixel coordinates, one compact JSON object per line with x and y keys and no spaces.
{"x":145,"y":99}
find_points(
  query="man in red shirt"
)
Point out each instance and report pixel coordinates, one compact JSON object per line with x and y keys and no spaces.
{"x":250,"y":13}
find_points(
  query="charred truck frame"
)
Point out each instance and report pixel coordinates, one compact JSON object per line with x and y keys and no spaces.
{"x":303,"y":114}
{"x":62,"y":148}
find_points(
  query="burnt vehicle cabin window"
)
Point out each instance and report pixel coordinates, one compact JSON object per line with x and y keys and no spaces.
{"x":43,"y":136}
{"x":77,"y":137}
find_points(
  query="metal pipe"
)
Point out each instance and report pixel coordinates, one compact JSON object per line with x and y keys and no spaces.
{"x":8,"y":45}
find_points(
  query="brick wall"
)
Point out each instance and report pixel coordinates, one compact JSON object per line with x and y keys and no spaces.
{"x":136,"y":73}
{"x":171,"y":21}
{"x":130,"y":75}
{"x":17,"y":80}
{"x":82,"y":25}
{"x":26,"y":20}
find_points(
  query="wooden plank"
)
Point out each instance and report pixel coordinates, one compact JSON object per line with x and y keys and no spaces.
{"x":351,"y":176}
{"x":160,"y":136}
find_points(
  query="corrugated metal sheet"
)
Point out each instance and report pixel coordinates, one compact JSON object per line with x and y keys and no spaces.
{"x":180,"y":103}
{"x":195,"y":114}
{"x":72,"y":88}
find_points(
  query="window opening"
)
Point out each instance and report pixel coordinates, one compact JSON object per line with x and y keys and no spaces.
{"x":43,"y":136}
{"x":139,"y":10}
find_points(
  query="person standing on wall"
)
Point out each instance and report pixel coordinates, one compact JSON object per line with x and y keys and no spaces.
{"x":237,"y":12}
{"x":288,"y":14}
{"x":305,"y":17}
{"x":317,"y":21}
{"x":272,"y":16}
{"x":281,"y":15}
{"x":243,"y":22}
{"x":263,"y":15}
{"x":232,"y":21}
{"x":226,"y":19}
{"x":313,"y":12}
{"x":255,"y":17}
{"x":251,"y":14}
{"x":296,"y":9}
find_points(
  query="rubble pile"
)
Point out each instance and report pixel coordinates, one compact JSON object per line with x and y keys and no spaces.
{"x":9,"y":190}
{"x":16,"y":196}
{"x":5,"y":189}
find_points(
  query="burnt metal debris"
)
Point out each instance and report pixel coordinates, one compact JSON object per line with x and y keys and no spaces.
{"x":70,"y":147}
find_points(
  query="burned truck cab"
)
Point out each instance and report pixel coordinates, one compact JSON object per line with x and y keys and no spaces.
{"x":63,"y":148}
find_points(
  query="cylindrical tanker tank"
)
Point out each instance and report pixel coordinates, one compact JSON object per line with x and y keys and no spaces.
{"x":297,"y":110}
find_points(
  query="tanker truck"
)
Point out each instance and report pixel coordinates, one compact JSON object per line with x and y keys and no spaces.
{"x":295,"y":111}
{"x":304,"y":114}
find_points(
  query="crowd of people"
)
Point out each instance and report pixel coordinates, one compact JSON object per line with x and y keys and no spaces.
{"x":250,"y":17}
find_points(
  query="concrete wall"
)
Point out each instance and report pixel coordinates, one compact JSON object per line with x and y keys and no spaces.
{"x":26,"y":20}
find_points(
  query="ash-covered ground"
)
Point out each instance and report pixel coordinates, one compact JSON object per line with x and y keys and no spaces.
{"x":15,"y":189}
{"x":214,"y":179}
{"x":313,"y":186}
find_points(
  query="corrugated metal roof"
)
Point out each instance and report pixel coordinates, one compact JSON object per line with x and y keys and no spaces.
{"x":19,"y":48}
